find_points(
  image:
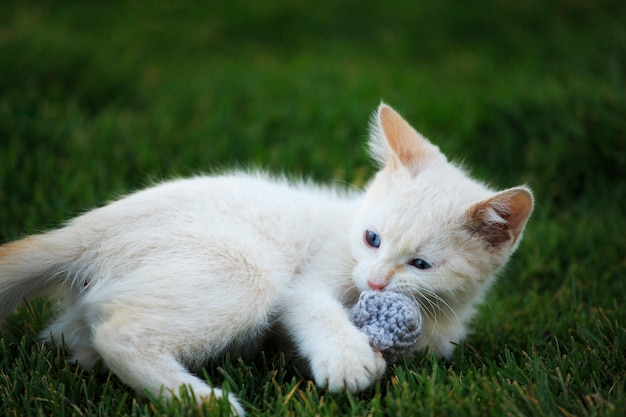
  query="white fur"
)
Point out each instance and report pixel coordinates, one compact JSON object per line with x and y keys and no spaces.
{"x":174,"y":275}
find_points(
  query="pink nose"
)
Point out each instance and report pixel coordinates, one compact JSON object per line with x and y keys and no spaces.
{"x":376,"y":286}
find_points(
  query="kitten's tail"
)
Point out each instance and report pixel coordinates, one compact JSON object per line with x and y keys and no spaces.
{"x":32,"y":265}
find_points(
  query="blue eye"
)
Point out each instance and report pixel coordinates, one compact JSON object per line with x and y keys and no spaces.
{"x":372,"y":239}
{"x":420,"y":264}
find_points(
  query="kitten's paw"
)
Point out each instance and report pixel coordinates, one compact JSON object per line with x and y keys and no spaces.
{"x":352,"y":366}
{"x":236,"y":409}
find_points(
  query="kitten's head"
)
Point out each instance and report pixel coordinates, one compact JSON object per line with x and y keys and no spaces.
{"x":426,"y":228}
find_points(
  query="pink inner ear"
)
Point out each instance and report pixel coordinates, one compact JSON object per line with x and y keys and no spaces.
{"x":502,"y":218}
{"x":408,"y":146}
{"x":398,"y":132}
{"x":520,"y":207}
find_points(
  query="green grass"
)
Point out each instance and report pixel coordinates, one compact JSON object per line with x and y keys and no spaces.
{"x":98,"y":99}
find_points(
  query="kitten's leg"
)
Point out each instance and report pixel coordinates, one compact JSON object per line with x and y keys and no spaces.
{"x":340,"y":355}
{"x":145,"y":366}
{"x":71,"y":330}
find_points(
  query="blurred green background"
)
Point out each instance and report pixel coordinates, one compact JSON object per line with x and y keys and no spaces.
{"x":101,"y":98}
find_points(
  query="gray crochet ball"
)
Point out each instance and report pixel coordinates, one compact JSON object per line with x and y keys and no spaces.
{"x":391,"y":320}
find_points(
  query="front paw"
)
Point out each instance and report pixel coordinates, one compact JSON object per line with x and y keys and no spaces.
{"x":351,"y":365}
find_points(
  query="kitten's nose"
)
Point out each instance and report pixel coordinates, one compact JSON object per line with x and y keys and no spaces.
{"x":376,"y":286}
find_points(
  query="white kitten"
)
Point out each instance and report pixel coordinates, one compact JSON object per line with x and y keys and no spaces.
{"x":172,"y":276}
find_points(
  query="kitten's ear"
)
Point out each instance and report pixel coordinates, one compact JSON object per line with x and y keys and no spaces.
{"x":500,"y":220}
{"x":394,"y":142}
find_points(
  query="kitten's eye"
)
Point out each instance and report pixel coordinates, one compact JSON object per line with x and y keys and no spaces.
{"x":372,"y":239}
{"x":420,"y":264}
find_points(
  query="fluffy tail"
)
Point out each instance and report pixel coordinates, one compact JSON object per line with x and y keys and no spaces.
{"x":32,"y":265}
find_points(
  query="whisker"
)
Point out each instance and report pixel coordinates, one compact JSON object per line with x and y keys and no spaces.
{"x":434,"y":305}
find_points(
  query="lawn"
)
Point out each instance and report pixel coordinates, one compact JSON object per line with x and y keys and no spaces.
{"x":101,"y":98}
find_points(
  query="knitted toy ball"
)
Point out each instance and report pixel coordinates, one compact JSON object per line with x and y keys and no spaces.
{"x":391,"y":320}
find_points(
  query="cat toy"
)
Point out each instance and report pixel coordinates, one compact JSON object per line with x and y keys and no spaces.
{"x":391,"y":320}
